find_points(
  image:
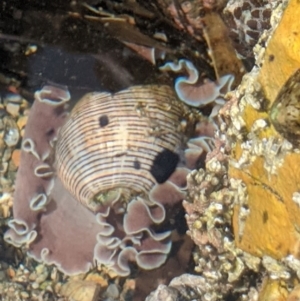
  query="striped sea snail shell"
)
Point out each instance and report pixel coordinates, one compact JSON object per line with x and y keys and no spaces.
{"x":114,"y":146}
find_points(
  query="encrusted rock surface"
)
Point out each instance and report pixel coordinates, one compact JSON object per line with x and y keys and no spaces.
{"x":242,"y":210}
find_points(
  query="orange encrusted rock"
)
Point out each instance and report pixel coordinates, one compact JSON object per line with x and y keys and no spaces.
{"x":282,"y":53}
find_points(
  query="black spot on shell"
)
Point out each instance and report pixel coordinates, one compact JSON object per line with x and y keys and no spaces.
{"x":164,"y":165}
{"x":103,"y":121}
{"x":136,"y":164}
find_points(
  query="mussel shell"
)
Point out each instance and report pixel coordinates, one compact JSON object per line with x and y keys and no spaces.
{"x":285,"y":111}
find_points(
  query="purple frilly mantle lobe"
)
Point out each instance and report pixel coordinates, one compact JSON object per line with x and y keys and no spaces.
{"x":194,"y":92}
{"x":58,"y":229}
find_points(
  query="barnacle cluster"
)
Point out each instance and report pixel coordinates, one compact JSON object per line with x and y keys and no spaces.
{"x":209,"y":215}
{"x":254,"y":132}
{"x":265,"y":224}
{"x":240,"y":211}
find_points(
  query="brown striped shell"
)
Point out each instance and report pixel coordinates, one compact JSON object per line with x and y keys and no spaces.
{"x":110,"y":143}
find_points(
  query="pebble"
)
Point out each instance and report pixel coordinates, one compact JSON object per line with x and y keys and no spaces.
{"x":1,"y":124}
{"x":5,"y":212}
{"x":35,"y":285}
{"x":54,"y":275}
{"x":22,"y":132}
{"x":40,"y":269}
{"x":2,"y":275}
{"x":22,"y":122}
{"x":3,"y":167}
{"x":2,"y":112}
{"x":97,"y":278}
{"x":112,"y":292}
{"x":11,"y":137}
{"x":13,"y":109}
{"x":41,"y":278}
{"x":11,"y":273}
{"x":6,"y":155}
{"x":80,"y":290}
{"x":24,"y":295}
{"x":13,"y":98}
{"x":12,"y":167}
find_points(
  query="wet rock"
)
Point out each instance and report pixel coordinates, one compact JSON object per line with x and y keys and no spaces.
{"x":80,"y":290}
{"x":164,"y":293}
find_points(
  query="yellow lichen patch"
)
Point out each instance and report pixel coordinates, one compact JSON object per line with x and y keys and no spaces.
{"x":237,"y":151}
{"x":273,"y":290}
{"x":273,"y":223}
{"x":250,"y":115}
{"x":295,"y":294}
{"x":282,"y":54}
